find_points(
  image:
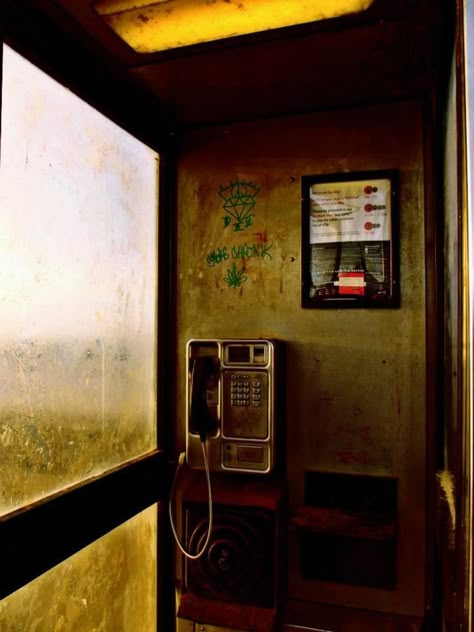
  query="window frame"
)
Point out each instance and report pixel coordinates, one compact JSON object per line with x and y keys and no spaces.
{"x":40,"y":535}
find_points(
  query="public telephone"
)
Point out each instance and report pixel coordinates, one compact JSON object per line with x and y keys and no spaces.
{"x":233,"y":403}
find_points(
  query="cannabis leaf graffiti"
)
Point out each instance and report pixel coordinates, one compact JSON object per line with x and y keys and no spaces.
{"x":235,"y":279}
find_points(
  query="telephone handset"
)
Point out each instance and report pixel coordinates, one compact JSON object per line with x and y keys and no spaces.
{"x":201,"y":423}
{"x":232,"y":403}
{"x":203,"y":370}
{"x":231,"y":412}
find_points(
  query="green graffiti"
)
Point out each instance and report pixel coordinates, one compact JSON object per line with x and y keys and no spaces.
{"x":217,"y":256}
{"x":243,"y":251}
{"x":233,"y":278}
{"x":247,"y":251}
{"x":239,"y":200}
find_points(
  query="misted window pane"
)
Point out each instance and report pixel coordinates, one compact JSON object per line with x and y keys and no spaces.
{"x":110,"y":586}
{"x":78,"y":203}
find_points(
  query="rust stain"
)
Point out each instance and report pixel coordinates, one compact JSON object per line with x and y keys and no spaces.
{"x":365,"y":435}
{"x":350,"y":457}
{"x":203,"y":193}
{"x":326,"y":396}
{"x":261,"y":237}
{"x":355,"y":433}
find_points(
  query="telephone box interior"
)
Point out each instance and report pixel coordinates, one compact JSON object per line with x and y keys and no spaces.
{"x":340,"y":537}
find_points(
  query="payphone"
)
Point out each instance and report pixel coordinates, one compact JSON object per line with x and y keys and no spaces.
{"x":234,"y":429}
{"x":233,"y":402}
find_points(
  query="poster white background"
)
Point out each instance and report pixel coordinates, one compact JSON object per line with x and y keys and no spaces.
{"x":350,"y":211}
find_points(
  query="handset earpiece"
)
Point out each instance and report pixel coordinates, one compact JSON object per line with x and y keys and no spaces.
{"x":201,"y":421}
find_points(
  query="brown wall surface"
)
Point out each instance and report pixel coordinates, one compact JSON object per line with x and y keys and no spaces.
{"x":355,"y":377}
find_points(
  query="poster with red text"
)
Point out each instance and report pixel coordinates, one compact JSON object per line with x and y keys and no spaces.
{"x":350,"y":234}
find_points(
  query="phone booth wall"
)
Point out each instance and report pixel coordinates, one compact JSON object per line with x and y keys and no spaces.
{"x":355,"y":378}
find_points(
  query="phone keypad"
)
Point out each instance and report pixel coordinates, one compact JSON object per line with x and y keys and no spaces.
{"x":245,"y":391}
{"x":245,"y":410}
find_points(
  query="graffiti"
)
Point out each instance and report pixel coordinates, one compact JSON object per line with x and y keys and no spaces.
{"x":244,"y":251}
{"x":235,"y":278}
{"x":217,"y":256}
{"x":254,"y":250}
{"x":246,"y":222}
{"x":239,"y":201}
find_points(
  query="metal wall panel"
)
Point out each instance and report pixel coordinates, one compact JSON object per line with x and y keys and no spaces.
{"x":355,"y":377}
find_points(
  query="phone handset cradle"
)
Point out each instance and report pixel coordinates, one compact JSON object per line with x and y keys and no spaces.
{"x":203,"y":369}
{"x":202,"y":424}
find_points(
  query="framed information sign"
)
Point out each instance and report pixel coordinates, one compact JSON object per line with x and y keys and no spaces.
{"x":350,"y":251}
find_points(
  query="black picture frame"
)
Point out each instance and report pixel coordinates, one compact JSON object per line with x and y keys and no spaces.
{"x":350,"y":240}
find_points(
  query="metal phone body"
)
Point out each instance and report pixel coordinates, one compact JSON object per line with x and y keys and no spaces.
{"x":231,"y":400}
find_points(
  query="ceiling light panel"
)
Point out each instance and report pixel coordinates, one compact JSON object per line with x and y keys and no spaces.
{"x":149,"y":27}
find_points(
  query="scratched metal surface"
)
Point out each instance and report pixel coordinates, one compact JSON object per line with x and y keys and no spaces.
{"x":355,"y":378}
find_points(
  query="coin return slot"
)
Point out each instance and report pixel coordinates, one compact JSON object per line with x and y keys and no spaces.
{"x":250,"y":454}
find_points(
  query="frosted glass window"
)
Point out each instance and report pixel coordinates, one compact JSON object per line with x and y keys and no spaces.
{"x":78,"y":275}
{"x":109,"y":586}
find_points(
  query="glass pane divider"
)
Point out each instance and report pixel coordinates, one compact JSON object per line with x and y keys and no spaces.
{"x":38,"y":537}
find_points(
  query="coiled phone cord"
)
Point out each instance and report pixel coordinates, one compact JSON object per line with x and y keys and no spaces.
{"x":192,"y":556}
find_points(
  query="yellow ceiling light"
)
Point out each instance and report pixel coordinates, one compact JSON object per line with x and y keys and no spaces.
{"x":151,"y":26}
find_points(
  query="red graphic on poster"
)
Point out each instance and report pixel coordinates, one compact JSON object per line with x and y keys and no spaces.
{"x":351,"y":283}
{"x":368,"y":190}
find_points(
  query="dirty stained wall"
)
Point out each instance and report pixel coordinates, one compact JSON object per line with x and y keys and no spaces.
{"x":355,"y":382}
